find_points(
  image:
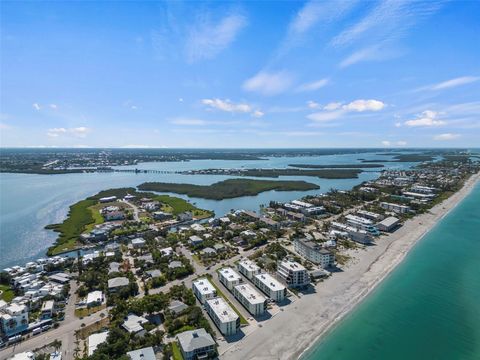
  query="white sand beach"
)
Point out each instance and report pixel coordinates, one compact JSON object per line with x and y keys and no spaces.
{"x":288,"y":334}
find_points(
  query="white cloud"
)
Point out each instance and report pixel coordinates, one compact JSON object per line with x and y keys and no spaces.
{"x":258,"y":114}
{"x":80,"y":132}
{"x":336,"y":110}
{"x":326,"y":116}
{"x":446,"y":137}
{"x":318,"y":12}
{"x":454,"y":82}
{"x":188,"y":122}
{"x":401,"y":143}
{"x":206,"y":40}
{"x":266,"y":83}
{"x":312,"y":104}
{"x":227,"y":105}
{"x":386,"y":143}
{"x":36,"y":106}
{"x":312,"y":86}
{"x":427,"y":118}
{"x":53,"y":106}
{"x":364,"y":105}
{"x":370,"y":53}
{"x":332,"y":106}
{"x":388,"y":20}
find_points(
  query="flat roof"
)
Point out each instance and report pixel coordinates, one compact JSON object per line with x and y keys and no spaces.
{"x":96,"y":339}
{"x":222,"y":309}
{"x":204,"y":286}
{"x":292,"y":265}
{"x":389,"y":221}
{"x":252,"y":295}
{"x":270,"y":282}
{"x":249,"y":265}
{"x":230,"y":274}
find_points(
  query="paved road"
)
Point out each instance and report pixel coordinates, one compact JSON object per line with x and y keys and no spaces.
{"x":65,"y":332}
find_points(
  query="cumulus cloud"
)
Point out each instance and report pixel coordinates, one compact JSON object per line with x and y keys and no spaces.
{"x":258,"y":113}
{"x":312,"y":86}
{"x":312,"y":104}
{"x":386,"y":143}
{"x":427,"y":118}
{"x":80,"y":132}
{"x":446,"y":137}
{"x":267,"y":83}
{"x":36,"y":106}
{"x":396,"y":143}
{"x":364,"y":105}
{"x":206,"y":40}
{"x":335,"y":110}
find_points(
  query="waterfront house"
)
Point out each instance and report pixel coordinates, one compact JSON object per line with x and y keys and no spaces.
{"x":400,"y":209}
{"x":196,"y":344}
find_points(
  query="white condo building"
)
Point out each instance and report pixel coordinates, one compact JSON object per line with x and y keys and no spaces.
{"x":400,"y":209}
{"x":270,"y":286}
{"x":204,"y":289}
{"x":314,"y":252}
{"x":251,"y":299}
{"x":293,"y":274}
{"x":222,"y":314}
{"x":13,"y":319}
{"x":229,"y":277}
{"x":248,"y":268}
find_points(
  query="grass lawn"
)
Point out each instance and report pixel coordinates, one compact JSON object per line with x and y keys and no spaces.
{"x":7,"y":293}
{"x":88,"y":311}
{"x":243,"y":321}
{"x":176,"y":353}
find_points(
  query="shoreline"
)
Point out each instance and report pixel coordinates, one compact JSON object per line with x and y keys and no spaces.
{"x":300,"y":329}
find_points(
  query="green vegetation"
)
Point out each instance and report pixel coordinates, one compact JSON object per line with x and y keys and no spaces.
{"x":78,"y":218}
{"x":229,"y":188}
{"x":176,"y":353}
{"x":6,"y":293}
{"x":84,"y":215}
{"x":80,"y":313}
{"x":336,"y":166}
{"x":403,"y":158}
{"x":243,"y":321}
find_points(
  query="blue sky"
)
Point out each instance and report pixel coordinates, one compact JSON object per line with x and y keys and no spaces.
{"x":240,"y":74}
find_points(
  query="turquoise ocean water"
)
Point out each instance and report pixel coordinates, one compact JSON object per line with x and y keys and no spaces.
{"x":428,"y":308}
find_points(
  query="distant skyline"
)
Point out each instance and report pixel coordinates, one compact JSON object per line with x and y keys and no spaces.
{"x":240,"y":74}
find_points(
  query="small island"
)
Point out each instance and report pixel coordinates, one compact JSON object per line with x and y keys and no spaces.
{"x":228,"y":189}
{"x":117,"y":205}
{"x":275,"y":173}
{"x":336,"y":166}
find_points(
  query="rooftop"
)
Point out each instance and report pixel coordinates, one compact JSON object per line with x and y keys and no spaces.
{"x":195,"y":339}
{"x":222,"y":309}
{"x":249,"y":292}
{"x":230,"y":274}
{"x":204,"y":286}
{"x":270,"y":282}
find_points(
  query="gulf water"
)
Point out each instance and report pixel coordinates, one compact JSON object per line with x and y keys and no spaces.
{"x":428,"y":308}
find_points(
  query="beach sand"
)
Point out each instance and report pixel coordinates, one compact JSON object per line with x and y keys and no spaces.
{"x":290,"y":333}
